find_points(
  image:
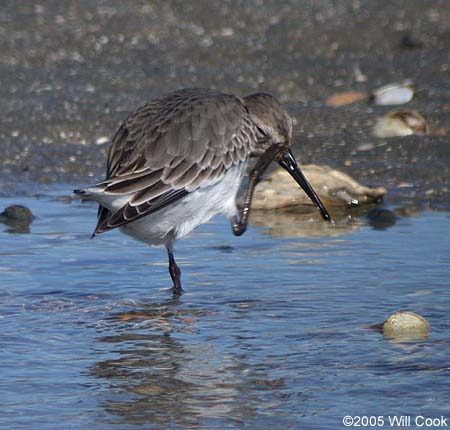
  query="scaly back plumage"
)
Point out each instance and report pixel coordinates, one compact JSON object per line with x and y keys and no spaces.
{"x":172,"y":146}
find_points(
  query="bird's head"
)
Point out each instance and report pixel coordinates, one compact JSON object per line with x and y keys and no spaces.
{"x":273,"y":124}
{"x":274,"y":135}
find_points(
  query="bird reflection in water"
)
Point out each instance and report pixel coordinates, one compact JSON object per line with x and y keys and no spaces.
{"x":164,"y":369}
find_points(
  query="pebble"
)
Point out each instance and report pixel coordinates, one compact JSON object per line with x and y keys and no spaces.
{"x":410,"y":41}
{"x":365,"y":147}
{"x":359,"y":75}
{"x":101,"y":140}
{"x":16,"y":213}
{"x":18,"y":218}
{"x":380,"y":218}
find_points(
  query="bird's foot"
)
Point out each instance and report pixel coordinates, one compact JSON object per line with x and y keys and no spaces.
{"x":177,"y":291}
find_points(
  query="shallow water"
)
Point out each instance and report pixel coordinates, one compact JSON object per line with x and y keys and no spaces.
{"x":271,"y":332}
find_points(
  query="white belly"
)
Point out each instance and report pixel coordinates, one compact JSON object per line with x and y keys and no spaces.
{"x":180,"y":218}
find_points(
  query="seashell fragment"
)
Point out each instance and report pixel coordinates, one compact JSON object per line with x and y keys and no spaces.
{"x":341,"y":99}
{"x":405,"y":325}
{"x":400,"y":123}
{"x":333,"y":186}
{"x":393,"y":94}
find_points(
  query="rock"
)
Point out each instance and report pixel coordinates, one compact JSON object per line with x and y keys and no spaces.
{"x":16,"y":213}
{"x":410,"y":41}
{"x":405,"y":325}
{"x":358,"y":74}
{"x":18,"y":218}
{"x":400,"y":123}
{"x":381,"y":219}
{"x":393,"y":94}
{"x":334,"y":187}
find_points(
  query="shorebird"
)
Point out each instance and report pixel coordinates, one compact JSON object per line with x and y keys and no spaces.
{"x":178,"y":160}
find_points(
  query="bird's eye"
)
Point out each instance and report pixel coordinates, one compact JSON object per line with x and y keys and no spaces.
{"x":260,"y":131}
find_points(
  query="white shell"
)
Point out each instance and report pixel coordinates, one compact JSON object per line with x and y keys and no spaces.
{"x":402,"y":122}
{"x":404,"y":325}
{"x":393,"y":94}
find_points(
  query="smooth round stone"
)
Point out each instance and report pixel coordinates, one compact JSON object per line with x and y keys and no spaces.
{"x":381,"y":219}
{"x":16,"y":213}
{"x":18,"y":218}
{"x":406,"y":325}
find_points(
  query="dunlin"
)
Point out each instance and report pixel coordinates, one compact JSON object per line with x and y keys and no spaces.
{"x":178,"y":161}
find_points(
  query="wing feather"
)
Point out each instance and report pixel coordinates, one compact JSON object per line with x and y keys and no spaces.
{"x":132,"y":213}
{"x":149,"y":194}
{"x":134,"y":184}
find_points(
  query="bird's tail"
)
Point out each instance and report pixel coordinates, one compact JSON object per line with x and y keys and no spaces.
{"x":80,"y":192}
{"x":83,"y":194}
{"x":88,"y":194}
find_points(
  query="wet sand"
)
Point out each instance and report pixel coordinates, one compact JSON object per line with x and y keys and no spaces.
{"x":71,"y":71}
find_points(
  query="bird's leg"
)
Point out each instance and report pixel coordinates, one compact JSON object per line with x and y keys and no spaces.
{"x":240,"y":225}
{"x":175,"y":273}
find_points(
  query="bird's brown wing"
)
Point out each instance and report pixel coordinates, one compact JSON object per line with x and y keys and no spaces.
{"x":172,"y":146}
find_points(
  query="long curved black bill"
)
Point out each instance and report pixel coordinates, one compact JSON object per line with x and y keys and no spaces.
{"x":287,"y":161}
